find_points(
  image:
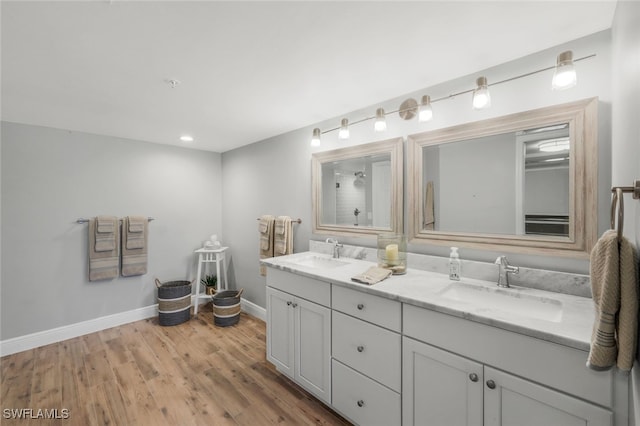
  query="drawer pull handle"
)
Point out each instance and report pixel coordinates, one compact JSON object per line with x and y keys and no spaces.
{"x":289,"y":303}
{"x":360,"y":403}
{"x":294,"y":304}
{"x":473,"y":377}
{"x":491,"y":384}
{"x":360,"y":306}
{"x":360,"y":348}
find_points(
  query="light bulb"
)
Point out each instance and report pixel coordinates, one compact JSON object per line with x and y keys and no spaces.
{"x":380,"y":124}
{"x":425,"y":113}
{"x":564,"y":76}
{"x":343,"y":133}
{"x":481,"y":97}
{"x":315,"y":139}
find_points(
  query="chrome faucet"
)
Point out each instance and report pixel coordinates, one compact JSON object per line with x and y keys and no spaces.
{"x":336,"y":247}
{"x":504,"y":269}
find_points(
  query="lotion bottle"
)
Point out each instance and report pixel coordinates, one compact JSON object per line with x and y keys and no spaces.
{"x":454,"y":264}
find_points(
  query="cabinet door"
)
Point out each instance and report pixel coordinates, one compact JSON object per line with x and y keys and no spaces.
{"x":313,"y":348}
{"x":511,"y":401}
{"x":280,"y":331}
{"x":439,"y":388}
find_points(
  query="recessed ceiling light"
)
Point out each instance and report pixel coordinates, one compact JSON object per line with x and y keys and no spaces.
{"x":186,"y":138}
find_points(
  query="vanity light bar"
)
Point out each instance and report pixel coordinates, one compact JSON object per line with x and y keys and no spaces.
{"x":317,"y":132}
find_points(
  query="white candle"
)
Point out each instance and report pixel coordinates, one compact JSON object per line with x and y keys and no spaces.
{"x":392,"y":253}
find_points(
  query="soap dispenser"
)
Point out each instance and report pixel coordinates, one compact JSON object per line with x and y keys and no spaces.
{"x":454,"y":264}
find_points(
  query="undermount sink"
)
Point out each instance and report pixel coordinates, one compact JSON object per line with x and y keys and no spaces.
{"x":316,"y":261}
{"x":513,"y":301}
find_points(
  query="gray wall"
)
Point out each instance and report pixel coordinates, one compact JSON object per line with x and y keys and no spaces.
{"x":626,"y":135}
{"x":52,"y":177}
{"x":273,"y":176}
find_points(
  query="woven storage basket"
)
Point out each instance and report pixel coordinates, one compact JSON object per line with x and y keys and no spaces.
{"x":174,"y":302}
{"x":226,"y":307}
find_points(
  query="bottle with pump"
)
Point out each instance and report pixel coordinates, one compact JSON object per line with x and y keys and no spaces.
{"x":454,"y":264}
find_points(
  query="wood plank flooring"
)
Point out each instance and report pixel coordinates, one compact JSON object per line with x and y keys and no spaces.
{"x":143,"y":374}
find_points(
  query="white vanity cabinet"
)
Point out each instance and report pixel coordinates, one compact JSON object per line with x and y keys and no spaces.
{"x":441,"y":388}
{"x":367,"y":361}
{"x":453,"y":379}
{"x":299,"y":330}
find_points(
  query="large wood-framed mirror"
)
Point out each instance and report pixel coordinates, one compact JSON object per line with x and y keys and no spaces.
{"x":358,"y":190}
{"x":524,"y":182}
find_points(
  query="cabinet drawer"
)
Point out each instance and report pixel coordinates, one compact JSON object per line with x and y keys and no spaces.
{"x":367,"y":348}
{"x":550,"y":364}
{"x":378,"y":310}
{"x":308,"y":288}
{"x":363,"y":400}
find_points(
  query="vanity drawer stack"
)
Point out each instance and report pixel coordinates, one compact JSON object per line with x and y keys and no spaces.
{"x":366,"y":356}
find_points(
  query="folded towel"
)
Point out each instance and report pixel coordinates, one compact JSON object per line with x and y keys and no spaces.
{"x":106,"y":224}
{"x":372,"y":275}
{"x":105,"y":237}
{"x":136,"y":224}
{"x":283,"y":239}
{"x":265,"y":228}
{"x":614,"y":285}
{"x":134,"y":245}
{"x":103,"y":262}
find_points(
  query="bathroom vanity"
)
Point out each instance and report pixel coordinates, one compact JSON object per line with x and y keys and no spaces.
{"x":418,"y":349}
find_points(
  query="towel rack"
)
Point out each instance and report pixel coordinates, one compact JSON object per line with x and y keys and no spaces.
{"x":618,"y":201}
{"x":83,"y":220}
{"x":292,"y":220}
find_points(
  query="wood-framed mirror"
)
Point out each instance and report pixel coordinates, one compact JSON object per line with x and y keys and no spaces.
{"x":358,"y":190}
{"x":525,"y":182}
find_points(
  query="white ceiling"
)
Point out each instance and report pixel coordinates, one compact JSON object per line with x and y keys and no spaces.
{"x":252,"y":70}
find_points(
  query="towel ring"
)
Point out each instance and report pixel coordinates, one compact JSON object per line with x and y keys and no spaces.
{"x":618,"y":200}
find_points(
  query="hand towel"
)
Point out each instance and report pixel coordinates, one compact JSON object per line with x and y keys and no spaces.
{"x":283,"y":238}
{"x":265,"y":228}
{"x":103,"y":262}
{"x":372,"y":275}
{"x":429,"y":217}
{"x":136,"y":235}
{"x":134,"y":245}
{"x":105,"y":237}
{"x":614,"y":285}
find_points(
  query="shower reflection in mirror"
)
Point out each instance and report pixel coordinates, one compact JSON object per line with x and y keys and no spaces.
{"x":353,"y":201}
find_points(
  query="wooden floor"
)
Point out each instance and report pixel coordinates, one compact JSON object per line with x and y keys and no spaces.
{"x":143,"y":374}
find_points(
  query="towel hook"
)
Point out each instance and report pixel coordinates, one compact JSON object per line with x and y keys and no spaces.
{"x":618,"y":200}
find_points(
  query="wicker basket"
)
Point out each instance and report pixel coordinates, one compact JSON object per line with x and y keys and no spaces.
{"x":174,"y":302}
{"x":226,"y":307}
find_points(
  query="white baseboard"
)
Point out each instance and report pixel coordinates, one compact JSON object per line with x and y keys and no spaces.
{"x":253,"y":309}
{"x":46,"y":337}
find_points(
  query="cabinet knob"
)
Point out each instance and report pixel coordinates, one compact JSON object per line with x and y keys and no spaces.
{"x":289,"y":303}
{"x":360,"y":348}
{"x":360,"y":403}
{"x":294,"y":304}
{"x":360,"y":306}
{"x":473,"y":377}
{"x":491,"y":384}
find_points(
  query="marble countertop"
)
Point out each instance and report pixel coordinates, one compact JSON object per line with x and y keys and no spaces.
{"x":429,"y":290}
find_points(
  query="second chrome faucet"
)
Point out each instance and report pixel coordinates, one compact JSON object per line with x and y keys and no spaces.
{"x":504,"y":269}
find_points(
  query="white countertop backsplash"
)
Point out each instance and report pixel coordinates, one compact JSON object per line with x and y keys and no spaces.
{"x":427,"y":277}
